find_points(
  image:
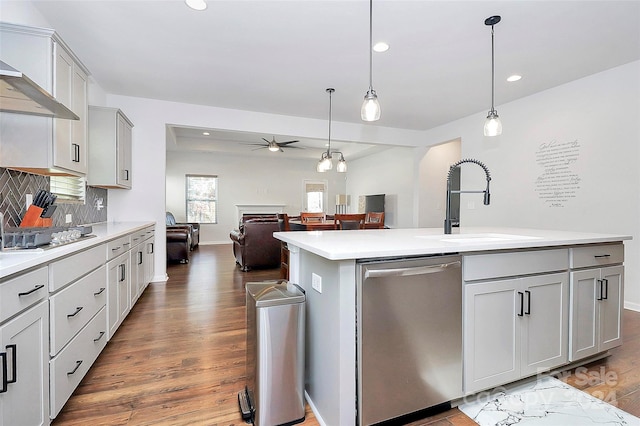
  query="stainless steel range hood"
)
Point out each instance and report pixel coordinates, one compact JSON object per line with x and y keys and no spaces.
{"x":19,"y":94}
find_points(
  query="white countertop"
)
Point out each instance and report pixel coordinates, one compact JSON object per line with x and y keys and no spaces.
{"x":374,"y":243}
{"x":11,"y":263}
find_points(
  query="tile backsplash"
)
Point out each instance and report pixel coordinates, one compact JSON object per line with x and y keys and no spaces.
{"x":15,"y":185}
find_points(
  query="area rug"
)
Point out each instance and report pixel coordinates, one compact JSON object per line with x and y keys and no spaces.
{"x":545,"y":401}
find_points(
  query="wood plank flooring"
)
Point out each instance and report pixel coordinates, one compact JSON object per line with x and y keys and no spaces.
{"x":179,"y":357}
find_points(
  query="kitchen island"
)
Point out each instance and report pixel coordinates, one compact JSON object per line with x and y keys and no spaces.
{"x":573,"y":281}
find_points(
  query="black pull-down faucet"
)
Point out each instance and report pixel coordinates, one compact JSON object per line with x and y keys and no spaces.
{"x":487,"y":195}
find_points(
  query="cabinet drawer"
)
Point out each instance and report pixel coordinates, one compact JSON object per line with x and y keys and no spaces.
{"x":596,"y":255}
{"x":73,"y":267}
{"x":511,"y":264}
{"x":23,"y":291}
{"x":73,"y":362}
{"x":74,"y":306}
{"x":118,"y":246}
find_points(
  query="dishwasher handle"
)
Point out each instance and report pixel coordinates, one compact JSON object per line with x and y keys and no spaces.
{"x":404,"y":272}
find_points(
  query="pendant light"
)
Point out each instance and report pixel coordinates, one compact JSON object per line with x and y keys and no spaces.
{"x":492,"y":125}
{"x":370,"y":107}
{"x":325,"y":163}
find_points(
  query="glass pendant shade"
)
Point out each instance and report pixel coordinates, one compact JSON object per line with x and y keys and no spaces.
{"x":492,"y":125}
{"x":370,"y":107}
{"x":342,"y":166}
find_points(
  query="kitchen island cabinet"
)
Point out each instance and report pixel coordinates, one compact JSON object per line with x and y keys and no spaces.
{"x":325,"y":263}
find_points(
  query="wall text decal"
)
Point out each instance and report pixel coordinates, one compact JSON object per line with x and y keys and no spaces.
{"x":558,"y":182}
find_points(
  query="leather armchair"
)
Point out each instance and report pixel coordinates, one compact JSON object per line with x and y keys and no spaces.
{"x":192,"y":227}
{"x":254,"y":245}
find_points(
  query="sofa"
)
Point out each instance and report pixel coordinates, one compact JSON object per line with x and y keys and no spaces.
{"x":181,"y":239}
{"x":254,"y":246}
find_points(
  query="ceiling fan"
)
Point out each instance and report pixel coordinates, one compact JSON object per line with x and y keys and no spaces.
{"x":275,"y":146}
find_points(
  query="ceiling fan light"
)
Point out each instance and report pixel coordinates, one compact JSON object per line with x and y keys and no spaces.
{"x":370,"y":107}
{"x":196,"y":4}
{"x":273,"y":147}
{"x":492,"y":125}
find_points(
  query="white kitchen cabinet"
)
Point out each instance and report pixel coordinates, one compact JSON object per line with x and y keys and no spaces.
{"x":149,"y":254}
{"x":41,"y":144}
{"x":24,"y":348}
{"x":596,"y":316}
{"x":514,"y":328}
{"x":110,"y":138}
{"x":118,"y":291}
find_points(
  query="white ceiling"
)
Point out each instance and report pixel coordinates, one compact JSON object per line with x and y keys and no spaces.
{"x":279,"y":56}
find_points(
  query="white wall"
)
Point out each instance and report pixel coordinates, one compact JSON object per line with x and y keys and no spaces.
{"x":391,"y":172}
{"x":245,"y":180}
{"x":602,"y":113}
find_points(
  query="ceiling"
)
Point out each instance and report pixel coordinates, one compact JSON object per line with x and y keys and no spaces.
{"x":279,"y":56}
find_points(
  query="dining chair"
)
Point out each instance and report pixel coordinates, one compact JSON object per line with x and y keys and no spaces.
{"x":375,"y":218}
{"x":349,"y":221}
{"x":283,"y":222}
{"x":306,"y":217}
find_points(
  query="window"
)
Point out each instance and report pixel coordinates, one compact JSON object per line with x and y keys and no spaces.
{"x":202,"y":199}
{"x":68,"y":189}
{"x":314,"y":196}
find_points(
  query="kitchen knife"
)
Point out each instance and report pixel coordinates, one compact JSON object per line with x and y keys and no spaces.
{"x":38,"y":198}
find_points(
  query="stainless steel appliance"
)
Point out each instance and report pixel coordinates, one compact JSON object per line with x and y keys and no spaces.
{"x":409,"y":335}
{"x":274,"y":394}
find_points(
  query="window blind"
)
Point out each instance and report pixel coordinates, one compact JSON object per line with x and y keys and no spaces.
{"x":69,"y":189}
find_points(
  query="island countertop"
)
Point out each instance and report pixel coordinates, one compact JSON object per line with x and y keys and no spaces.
{"x":374,"y":243}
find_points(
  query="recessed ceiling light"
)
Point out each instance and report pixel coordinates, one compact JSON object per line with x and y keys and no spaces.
{"x":380,"y":46}
{"x":196,"y":4}
{"x":514,"y":77}
{"x":206,"y":133}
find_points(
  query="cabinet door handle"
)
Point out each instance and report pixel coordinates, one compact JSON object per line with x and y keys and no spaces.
{"x":3,"y":369}
{"x":78,"y":364}
{"x":599,"y":294}
{"x":99,"y":336}
{"x":122,"y":272}
{"x":126,"y":174}
{"x":521,"y":296}
{"x":26,"y":293}
{"x":139,"y":258}
{"x":76,"y":153}
{"x":150,"y":251}
{"x":14,"y":362}
{"x":606,"y":289}
{"x":102,"y":289}
{"x":528,"y":311}
{"x":78,"y":309}
{"x":598,"y":256}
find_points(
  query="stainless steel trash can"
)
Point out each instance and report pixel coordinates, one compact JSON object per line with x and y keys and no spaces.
{"x":274,"y":393}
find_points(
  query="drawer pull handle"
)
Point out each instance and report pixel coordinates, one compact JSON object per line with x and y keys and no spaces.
{"x":78,"y":309}
{"x":116,"y":249}
{"x":99,"y":337}
{"x":126,"y":244}
{"x":78,"y":364}
{"x":26,"y":293}
{"x":599,"y":256}
{"x":102,"y":289}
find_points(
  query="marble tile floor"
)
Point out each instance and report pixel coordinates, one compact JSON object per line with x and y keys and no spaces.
{"x":544,"y":401}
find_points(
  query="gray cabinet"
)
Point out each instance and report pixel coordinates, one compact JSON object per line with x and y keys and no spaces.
{"x":110,"y":133}
{"x":41,"y":144}
{"x":515,"y":316}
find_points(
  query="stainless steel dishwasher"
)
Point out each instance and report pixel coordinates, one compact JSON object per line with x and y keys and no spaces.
{"x":409,"y":335}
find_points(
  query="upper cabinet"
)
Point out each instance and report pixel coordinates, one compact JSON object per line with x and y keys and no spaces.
{"x":37,"y":144}
{"x":109,"y":148}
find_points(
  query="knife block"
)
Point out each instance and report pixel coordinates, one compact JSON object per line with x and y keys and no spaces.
{"x":32,"y":218}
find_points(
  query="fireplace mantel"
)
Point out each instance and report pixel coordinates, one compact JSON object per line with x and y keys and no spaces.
{"x":258,"y":208}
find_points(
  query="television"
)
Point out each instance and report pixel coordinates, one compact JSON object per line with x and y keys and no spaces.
{"x":374,"y":203}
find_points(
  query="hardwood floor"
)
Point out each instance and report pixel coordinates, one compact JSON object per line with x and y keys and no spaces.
{"x":179,"y":357}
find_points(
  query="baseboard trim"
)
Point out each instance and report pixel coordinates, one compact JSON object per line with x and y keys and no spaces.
{"x":314,"y":409}
{"x":632,"y":306}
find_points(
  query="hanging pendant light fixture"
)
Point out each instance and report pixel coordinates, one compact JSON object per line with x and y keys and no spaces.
{"x":326,"y":163}
{"x":492,"y":125}
{"x":370,"y":107}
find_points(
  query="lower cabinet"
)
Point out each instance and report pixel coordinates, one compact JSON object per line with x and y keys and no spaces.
{"x":514,"y":328}
{"x":596,"y":310}
{"x":24,"y":352}
{"x":72,"y":363}
{"x":118,"y":288}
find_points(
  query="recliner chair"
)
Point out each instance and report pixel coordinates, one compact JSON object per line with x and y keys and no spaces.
{"x":181,"y":239}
